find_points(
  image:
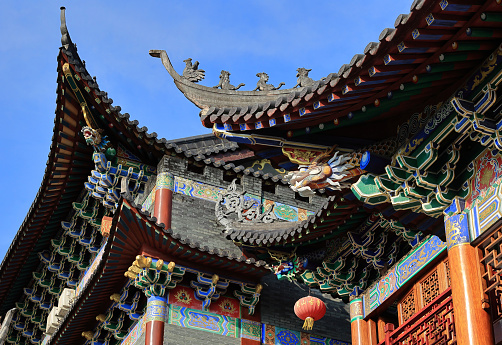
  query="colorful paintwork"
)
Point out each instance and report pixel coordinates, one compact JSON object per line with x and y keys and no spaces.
{"x":482,"y":73}
{"x":196,"y":189}
{"x":272,"y":335}
{"x":134,"y":335}
{"x":457,"y":230}
{"x":250,"y":330}
{"x":90,"y":271}
{"x":165,"y":180}
{"x":227,"y":306}
{"x":149,"y":201}
{"x":488,"y":169}
{"x":402,"y":272}
{"x":204,"y":191}
{"x":286,"y":337}
{"x":125,"y":153}
{"x":356,"y":309}
{"x":203,"y":321}
{"x":487,"y":210}
{"x":326,"y":341}
{"x":156,"y":309}
{"x":183,"y":296}
{"x":106,"y":225}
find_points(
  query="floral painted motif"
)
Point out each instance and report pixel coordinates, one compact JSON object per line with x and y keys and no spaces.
{"x":488,"y":169}
{"x":286,"y":337}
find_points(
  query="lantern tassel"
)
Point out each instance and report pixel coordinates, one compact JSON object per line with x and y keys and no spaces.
{"x":308,"y":324}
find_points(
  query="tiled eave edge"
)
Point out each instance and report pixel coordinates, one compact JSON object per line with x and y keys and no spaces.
{"x":352,"y":81}
{"x":149,"y":141}
{"x":66,"y":170}
{"x":111,"y":270}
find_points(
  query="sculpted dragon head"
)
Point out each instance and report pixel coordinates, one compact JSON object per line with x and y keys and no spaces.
{"x":332,"y":174}
{"x":93,"y":137}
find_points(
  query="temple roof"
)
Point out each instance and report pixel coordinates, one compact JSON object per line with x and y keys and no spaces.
{"x":70,"y":163}
{"x":136,"y":233}
{"x":423,"y":59}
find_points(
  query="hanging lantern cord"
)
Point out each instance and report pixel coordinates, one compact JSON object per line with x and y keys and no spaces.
{"x":308,"y":324}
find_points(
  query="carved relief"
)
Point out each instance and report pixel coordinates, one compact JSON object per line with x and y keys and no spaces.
{"x":232,"y":202}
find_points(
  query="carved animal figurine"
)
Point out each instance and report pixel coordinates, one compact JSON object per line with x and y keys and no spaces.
{"x":93,"y":137}
{"x":191,"y":72}
{"x":331,"y":174}
{"x":303,"y":77}
{"x":225,"y":82}
{"x":262,"y":83}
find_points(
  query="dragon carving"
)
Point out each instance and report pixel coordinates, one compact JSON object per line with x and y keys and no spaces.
{"x":332,"y":174}
{"x":94,"y":138}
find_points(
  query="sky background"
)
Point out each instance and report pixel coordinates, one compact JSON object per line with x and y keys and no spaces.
{"x":114,"y":37}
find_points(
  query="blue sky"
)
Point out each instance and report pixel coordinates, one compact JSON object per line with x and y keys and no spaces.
{"x":113,"y":37}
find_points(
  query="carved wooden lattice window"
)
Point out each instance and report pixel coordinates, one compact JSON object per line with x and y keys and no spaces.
{"x":447,"y":268}
{"x":435,"y":281}
{"x":430,"y":288}
{"x":408,"y":306}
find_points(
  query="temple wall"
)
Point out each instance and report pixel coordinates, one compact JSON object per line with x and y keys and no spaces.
{"x":176,"y":335}
{"x":195,"y":218}
{"x":277,"y":302}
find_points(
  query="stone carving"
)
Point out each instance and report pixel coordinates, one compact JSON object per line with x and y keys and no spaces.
{"x":225,"y":82}
{"x":303,"y":77}
{"x":206,"y":97}
{"x":262,"y":83}
{"x":232,"y":202}
{"x":192,"y":72}
{"x":331,"y":174}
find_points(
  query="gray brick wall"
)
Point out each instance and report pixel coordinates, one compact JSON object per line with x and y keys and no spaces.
{"x":176,"y":335}
{"x":277,"y":308}
{"x":195,"y":218}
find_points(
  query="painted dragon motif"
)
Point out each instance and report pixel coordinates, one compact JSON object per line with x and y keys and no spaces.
{"x":332,"y":174}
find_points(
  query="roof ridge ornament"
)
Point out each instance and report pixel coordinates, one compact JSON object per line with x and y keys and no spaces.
{"x":224,"y":83}
{"x":262,"y":85}
{"x":65,"y":36}
{"x":303,"y":77}
{"x":191,"y":72}
{"x":225,"y":95}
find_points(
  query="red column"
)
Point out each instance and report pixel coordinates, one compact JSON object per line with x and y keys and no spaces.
{"x":156,"y":315}
{"x":164,"y":198}
{"x":358,"y":327}
{"x":472,"y":323}
{"x":372,"y":332}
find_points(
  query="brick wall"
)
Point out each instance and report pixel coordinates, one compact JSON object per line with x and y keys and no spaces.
{"x":195,"y":218}
{"x":176,"y":335}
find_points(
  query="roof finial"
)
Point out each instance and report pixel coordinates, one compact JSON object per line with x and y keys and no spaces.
{"x":65,"y":37}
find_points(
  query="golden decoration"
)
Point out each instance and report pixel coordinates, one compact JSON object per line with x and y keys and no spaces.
{"x":159,"y":264}
{"x":170,"y":267}
{"x":88,"y":335}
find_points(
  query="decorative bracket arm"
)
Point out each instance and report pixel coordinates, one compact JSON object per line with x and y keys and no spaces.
{"x":153,"y":276}
{"x":249,"y":296}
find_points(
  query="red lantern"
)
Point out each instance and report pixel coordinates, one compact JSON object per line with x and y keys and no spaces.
{"x":310,"y":309}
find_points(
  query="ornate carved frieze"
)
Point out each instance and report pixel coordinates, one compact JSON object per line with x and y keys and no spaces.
{"x":232,"y":203}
